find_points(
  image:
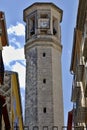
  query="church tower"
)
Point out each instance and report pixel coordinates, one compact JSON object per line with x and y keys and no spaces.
{"x":43,"y":91}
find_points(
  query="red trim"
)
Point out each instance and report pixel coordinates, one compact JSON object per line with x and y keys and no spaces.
{"x":69,"y":123}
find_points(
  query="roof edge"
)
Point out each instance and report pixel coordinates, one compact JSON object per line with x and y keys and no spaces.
{"x":43,"y":3}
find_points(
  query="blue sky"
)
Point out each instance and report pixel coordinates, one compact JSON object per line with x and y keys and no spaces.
{"x":14,"y":54}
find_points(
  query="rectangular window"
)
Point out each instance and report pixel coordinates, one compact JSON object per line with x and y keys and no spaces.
{"x":44,"y":81}
{"x":45,"y":127}
{"x":35,"y":128}
{"x":32,"y":25}
{"x":44,"y":54}
{"x":44,"y":110}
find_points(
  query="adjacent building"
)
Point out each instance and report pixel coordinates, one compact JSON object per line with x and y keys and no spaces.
{"x":79,"y":68}
{"x":43,"y":49}
{"x":10,"y":99}
{"x":12,"y":109}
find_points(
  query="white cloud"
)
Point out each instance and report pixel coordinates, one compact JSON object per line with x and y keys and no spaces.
{"x":21,"y":72}
{"x":13,"y":40}
{"x":10,"y":54}
{"x":17,"y":30}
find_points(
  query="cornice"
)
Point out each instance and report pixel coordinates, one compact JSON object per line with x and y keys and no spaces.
{"x":41,"y":41}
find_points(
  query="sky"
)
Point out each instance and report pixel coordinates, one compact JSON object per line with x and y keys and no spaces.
{"x":13,"y":55}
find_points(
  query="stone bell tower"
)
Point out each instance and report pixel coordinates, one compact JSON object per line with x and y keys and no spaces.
{"x":43,"y":92}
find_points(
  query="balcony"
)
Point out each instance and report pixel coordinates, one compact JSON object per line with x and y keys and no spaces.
{"x":75,"y":91}
{"x":80,"y":115}
{"x":79,"y":73}
{"x":85,"y":49}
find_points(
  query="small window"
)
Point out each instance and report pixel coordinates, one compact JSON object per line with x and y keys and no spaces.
{"x":44,"y":81}
{"x":54,"y":26}
{"x":45,"y":127}
{"x":44,"y":54}
{"x":32,"y":26}
{"x":44,"y":110}
{"x":55,"y":128}
{"x":35,"y":128}
{"x":54,"y":31}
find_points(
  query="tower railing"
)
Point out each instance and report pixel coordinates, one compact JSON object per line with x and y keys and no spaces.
{"x":53,"y":128}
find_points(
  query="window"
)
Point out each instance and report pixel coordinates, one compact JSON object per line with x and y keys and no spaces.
{"x":44,"y":81}
{"x":32,"y":25}
{"x":35,"y":128}
{"x":44,"y":54}
{"x":45,"y":127}
{"x":55,"y":128}
{"x":54,"y":26}
{"x":44,"y":110}
{"x":54,"y":31}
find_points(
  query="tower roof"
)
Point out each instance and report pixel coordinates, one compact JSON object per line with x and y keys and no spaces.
{"x":39,"y":4}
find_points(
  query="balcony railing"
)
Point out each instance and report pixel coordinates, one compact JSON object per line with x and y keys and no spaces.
{"x":79,"y":73}
{"x":76,"y":88}
{"x":80,"y":115}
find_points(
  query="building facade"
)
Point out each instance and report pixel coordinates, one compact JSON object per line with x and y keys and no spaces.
{"x":79,"y":68}
{"x":43,"y":49}
{"x":12,"y":109}
{"x":10,"y":99}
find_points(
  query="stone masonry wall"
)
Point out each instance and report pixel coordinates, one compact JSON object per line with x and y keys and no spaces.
{"x":31,"y":88}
